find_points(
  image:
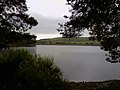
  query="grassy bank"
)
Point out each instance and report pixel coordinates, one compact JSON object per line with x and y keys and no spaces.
{"x":67,"y":41}
{"x":21,"y":70}
{"x":102,"y":85}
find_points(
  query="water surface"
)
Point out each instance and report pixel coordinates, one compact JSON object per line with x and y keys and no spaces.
{"x":81,"y":63}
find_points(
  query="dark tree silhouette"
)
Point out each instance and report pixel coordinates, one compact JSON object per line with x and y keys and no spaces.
{"x":102,"y":19}
{"x":68,"y":30}
{"x":17,"y":38}
{"x":13,"y":17}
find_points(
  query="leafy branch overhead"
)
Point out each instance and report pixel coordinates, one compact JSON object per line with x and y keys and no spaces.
{"x":13,"y":17}
{"x":102,"y":19}
{"x":68,"y":30}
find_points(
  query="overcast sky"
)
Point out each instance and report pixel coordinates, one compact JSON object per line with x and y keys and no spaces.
{"x":48,"y":14}
{"x":50,"y":8}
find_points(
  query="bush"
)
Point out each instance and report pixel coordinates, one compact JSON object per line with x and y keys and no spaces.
{"x":21,"y":70}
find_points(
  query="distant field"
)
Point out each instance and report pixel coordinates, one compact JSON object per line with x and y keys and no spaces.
{"x":67,"y":41}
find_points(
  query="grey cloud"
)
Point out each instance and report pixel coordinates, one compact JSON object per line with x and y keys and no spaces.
{"x":46,"y":25}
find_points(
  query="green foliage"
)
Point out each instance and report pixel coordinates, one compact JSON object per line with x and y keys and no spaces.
{"x":21,"y":70}
{"x":68,"y":31}
{"x":13,"y":17}
{"x":102,"y":19}
{"x":68,"y":41}
{"x":21,"y":39}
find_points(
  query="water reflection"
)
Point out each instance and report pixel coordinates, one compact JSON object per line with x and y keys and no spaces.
{"x":30,"y":49}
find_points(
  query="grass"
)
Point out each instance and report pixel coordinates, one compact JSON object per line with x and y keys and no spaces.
{"x":68,"y":41}
{"x":21,"y":70}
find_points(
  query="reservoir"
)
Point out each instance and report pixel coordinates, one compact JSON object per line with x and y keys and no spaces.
{"x":80,"y":63}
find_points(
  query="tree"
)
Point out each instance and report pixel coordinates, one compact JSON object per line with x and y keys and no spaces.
{"x":13,"y":17}
{"x":102,"y":19}
{"x":67,"y":30}
{"x":17,"y":38}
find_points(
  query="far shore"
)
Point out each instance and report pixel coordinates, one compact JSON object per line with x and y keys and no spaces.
{"x":81,"y":41}
{"x":71,"y":44}
{"x":33,"y":45}
{"x":98,"y":85}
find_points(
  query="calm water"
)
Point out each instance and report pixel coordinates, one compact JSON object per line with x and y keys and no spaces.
{"x":80,"y":63}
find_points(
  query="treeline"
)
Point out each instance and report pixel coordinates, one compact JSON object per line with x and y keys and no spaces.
{"x":16,"y":39}
{"x":21,"y":38}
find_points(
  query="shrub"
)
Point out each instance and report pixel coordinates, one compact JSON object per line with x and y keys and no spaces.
{"x":19,"y":69}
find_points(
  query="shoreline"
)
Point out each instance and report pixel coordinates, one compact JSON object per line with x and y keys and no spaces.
{"x":96,"y":85}
{"x":82,"y":41}
{"x":33,"y":45}
{"x":71,"y":44}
